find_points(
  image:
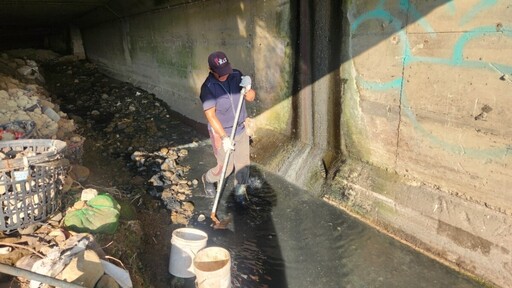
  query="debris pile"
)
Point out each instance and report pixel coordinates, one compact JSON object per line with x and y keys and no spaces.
{"x":52,"y":247}
{"x":167,"y":181}
{"x":119,"y":117}
{"x":71,"y":257}
{"x":24,"y":100}
{"x":119,"y":123}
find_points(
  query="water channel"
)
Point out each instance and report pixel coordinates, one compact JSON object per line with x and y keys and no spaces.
{"x":286,"y":237}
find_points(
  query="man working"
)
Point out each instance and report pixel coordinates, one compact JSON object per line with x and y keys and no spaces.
{"x":220,"y":95}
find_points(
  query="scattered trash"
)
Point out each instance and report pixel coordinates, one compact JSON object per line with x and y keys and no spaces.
{"x":120,"y":119}
{"x":21,"y":129}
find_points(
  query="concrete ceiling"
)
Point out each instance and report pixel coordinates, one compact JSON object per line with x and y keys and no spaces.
{"x":31,"y":13}
{"x":46,"y":13}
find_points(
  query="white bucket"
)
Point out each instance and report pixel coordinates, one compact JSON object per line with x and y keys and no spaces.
{"x":185,"y":244}
{"x":213,"y":268}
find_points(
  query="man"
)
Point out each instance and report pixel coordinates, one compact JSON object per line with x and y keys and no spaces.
{"x":220,"y":95}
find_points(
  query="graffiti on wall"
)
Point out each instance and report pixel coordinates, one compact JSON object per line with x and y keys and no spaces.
{"x":456,"y":60}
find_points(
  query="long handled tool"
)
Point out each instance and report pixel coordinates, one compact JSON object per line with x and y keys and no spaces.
{"x":217,"y":223}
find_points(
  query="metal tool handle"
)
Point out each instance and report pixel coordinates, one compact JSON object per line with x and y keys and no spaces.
{"x":228,"y":153}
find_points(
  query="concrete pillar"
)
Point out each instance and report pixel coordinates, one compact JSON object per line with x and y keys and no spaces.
{"x":77,"y":47}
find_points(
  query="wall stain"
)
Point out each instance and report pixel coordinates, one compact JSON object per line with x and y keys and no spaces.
{"x":464,"y":238}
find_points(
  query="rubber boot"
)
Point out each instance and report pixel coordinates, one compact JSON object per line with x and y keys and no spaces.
{"x":209,"y":187}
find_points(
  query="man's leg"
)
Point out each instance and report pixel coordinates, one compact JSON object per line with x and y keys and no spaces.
{"x":242,"y":162}
{"x":213,"y":175}
{"x":242,"y":158}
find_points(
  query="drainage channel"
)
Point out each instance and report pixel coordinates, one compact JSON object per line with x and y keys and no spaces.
{"x":286,"y":237}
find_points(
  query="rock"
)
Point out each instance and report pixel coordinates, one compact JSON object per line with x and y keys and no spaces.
{"x":85,"y":269}
{"x":137,"y":180}
{"x":79,"y":205}
{"x":178,"y":218}
{"x":59,"y":235}
{"x":30,"y":229}
{"x":88,"y":194}
{"x":188,"y":206}
{"x":26,"y":262}
{"x":19,"y":62}
{"x":106,"y":281}
{"x":68,"y":183}
{"x":79,"y":173}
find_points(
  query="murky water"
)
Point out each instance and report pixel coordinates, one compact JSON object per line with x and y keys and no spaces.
{"x":288,"y":238}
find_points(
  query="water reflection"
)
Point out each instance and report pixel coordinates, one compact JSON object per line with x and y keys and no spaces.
{"x":288,"y":238}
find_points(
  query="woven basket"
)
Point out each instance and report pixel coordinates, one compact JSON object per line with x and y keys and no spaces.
{"x":30,"y":187}
{"x":43,"y":150}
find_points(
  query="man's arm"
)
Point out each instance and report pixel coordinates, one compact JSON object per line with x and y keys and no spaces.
{"x":215,"y":122}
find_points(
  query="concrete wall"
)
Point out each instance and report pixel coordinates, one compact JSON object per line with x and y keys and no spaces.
{"x":393,"y":110}
{"x":437,"y":107}
{"x":429,"y":85}
{"x":166,"y":51}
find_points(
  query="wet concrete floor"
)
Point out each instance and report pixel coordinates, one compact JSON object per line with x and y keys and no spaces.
{"x":285,"y":237}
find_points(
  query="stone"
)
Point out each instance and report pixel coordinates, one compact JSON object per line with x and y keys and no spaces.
{"x":68,"y":183}
{"x":79,"y":173}
{"x":85,"y":269}
{"x":106,"y":281}
{"x":88,"y":194}
{"x":26,"y":262}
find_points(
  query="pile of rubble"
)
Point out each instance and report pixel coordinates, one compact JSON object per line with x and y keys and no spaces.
{"x":167,"y":181}
{"x":48,"y":246}
{"x":63,"y":255}
{"x":123,"y":122}
{"x":25,"y":100}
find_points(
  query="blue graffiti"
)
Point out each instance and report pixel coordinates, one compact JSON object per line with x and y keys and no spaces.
{"x":456,"y":60}
{"x":482,"y":5}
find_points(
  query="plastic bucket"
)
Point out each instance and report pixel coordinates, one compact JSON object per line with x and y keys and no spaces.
{"x":212,"y":266}
{"x":185,"y":244}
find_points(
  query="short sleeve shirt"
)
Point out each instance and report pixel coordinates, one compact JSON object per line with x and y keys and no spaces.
{"x":224,"y":96}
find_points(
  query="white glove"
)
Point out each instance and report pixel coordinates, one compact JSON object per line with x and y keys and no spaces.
{"x":227,"y":144}
{"x":246,"y":83}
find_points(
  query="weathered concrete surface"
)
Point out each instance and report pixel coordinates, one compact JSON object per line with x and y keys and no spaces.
{"x":166,"y":52}
{"x":412,"y":93}
{"x":430,"y":104}
{"x":459,"y":232}
{"x":446,"y":88}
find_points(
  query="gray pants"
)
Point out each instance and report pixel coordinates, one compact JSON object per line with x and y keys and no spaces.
{"x":239,"y":160}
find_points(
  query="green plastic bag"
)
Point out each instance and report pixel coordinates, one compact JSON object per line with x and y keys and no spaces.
{"x":101,"y":215}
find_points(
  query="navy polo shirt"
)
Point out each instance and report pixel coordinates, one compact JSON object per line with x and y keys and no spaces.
{"x":224,"y":96}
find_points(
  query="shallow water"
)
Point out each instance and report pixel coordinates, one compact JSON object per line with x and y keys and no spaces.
{"x":288,"y":238}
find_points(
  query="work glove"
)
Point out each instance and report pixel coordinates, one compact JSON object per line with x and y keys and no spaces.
{"x":246,"y":83}
{"x":227,"y":144}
